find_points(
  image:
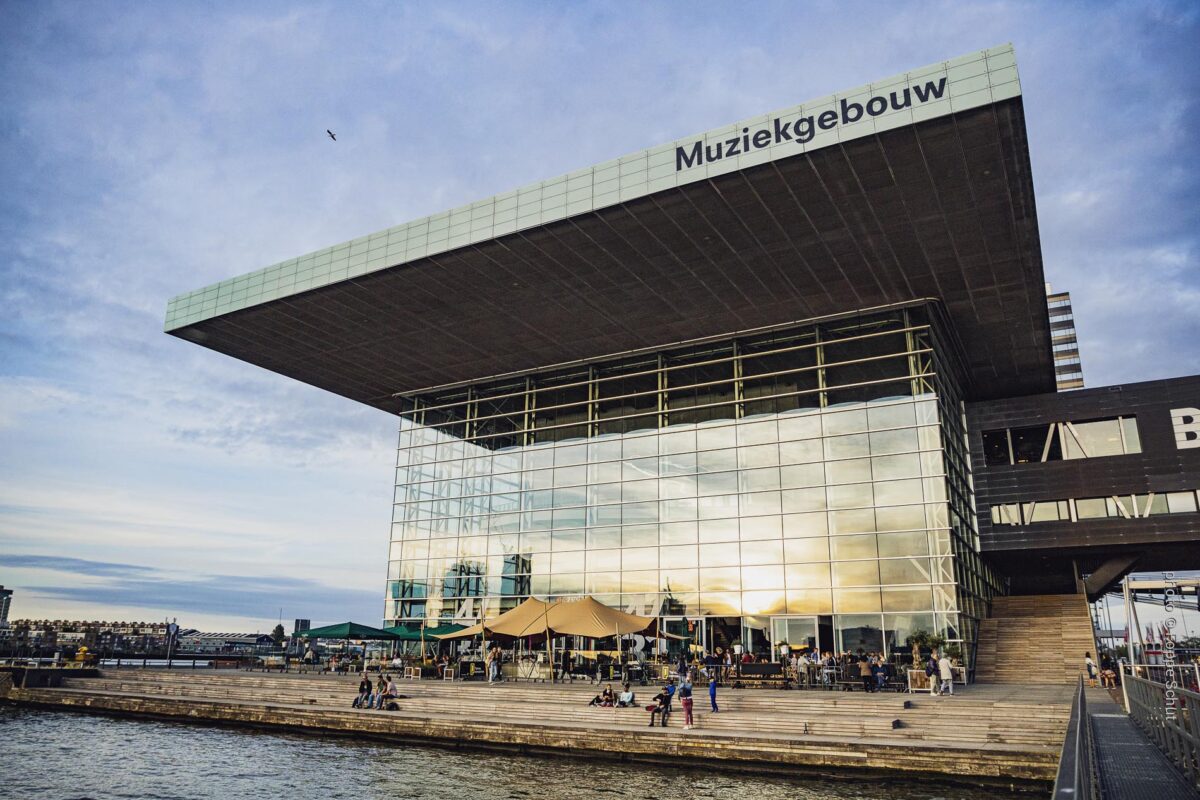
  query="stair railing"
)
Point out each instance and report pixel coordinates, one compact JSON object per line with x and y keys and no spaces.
{"x":1077,"y":778}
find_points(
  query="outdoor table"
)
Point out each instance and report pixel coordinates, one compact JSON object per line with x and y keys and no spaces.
{"x":470,"y":668}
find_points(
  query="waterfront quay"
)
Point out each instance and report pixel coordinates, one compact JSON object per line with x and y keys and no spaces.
{"x":1005,"y":733}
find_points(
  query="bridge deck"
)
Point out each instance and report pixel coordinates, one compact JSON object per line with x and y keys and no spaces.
{"x":1129,"y":764}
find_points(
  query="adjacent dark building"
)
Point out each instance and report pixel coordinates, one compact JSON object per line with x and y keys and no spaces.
{"x":1093,"y":481}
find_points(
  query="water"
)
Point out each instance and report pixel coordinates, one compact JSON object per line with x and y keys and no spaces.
{"x":51,"y":754}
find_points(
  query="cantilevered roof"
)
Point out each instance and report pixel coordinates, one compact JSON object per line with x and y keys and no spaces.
{"x":916,"y":186}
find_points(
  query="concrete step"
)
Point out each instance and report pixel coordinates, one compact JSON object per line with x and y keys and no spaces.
{"x":789,"y":714}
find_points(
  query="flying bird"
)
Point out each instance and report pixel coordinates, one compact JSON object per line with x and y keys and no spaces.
{"x":331,"y":136}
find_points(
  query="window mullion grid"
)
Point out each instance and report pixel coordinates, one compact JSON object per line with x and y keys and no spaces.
{"x":593,"y":415}
{"x":661,"y":379}
{"x":739,"y":387}
{"x":472,"y":424}
{"x":822,"y":384}
{"x":527,"y":417}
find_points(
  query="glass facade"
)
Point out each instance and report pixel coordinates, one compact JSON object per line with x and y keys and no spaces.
{"x":807,"y":484}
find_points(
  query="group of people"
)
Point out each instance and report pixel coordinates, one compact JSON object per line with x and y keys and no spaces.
{"x":874,"y":670}
{"x":337,"y":664}
{"x":664,"y":700}
{"x":940,"y":672}
{"x":663,"y":703}
{"x":382,"y":695}
{"x":607,"y":699}
{"x":491,"y":662}
{"x":1107,"y":672}
{"x":718,"y":663}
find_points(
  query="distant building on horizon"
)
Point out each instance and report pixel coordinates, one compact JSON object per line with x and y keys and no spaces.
{"x":194,"y":641}
{"x":1068,"y":370}
{"x":5,"y":604}
{"x":140,"y":637}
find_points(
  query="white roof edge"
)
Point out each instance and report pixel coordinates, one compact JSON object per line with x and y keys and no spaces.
{"x":969,"y":81}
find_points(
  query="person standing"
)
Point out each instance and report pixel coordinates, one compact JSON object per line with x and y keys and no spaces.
{"x":946,"y":671}
{"x":1091,"y":669}
{"x":828,"y":670}
{"x":864,"y":672}
{"x":712,"y":691}
{"x":489,"y":663}
{"x":685,"y":699}
{"x":564,"y":664}
{"x":931,"y":672}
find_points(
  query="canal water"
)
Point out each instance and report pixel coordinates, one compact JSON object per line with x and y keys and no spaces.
{"x":51,"y":754}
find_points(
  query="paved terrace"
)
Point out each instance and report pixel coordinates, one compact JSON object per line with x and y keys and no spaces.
{"x":997,"y":731}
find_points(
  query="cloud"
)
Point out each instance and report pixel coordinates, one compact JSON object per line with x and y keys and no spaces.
{"x":185,"y":592}
{"x":79,"y":566}
{"x":21,"y":396}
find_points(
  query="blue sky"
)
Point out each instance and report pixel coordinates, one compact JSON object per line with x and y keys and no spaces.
{"x":149,"y":149}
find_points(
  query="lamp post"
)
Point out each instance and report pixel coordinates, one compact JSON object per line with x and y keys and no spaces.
{"x":172,"y":627}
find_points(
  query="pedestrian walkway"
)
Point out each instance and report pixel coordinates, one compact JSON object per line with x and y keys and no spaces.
{"x":1129,"y":764}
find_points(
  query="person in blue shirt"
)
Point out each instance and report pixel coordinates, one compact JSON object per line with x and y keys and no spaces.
{"x":712,"y":691}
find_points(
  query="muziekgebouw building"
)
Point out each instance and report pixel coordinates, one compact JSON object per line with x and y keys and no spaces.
{"x":787,"y":380}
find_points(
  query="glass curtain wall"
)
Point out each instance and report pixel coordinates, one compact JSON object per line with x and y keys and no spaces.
{"x":807,"y":483}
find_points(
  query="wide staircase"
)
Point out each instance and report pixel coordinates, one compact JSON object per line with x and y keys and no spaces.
{"x":1035,"y":639}
{"x":997,"y":717}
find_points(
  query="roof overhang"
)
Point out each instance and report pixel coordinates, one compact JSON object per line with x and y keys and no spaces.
{"x":916,"y":204}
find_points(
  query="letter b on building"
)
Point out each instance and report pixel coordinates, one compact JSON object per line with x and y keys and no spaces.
{"x":1186,"y":422}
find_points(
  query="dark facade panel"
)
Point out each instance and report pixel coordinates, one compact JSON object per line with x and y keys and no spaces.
{"x":1160,"y":467}
{"x":942,"y":209}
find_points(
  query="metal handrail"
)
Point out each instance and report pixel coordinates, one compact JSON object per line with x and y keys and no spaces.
{"x":1076,"y":765}
{"x":1169,"y":715}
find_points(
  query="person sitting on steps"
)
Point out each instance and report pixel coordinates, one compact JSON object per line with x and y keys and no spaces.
{"x":1108,"y":673}
{"x":662,"y":705}
{"x":364,"y":692}
{"x":387,"y":692}
{"x":605,"y":699}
